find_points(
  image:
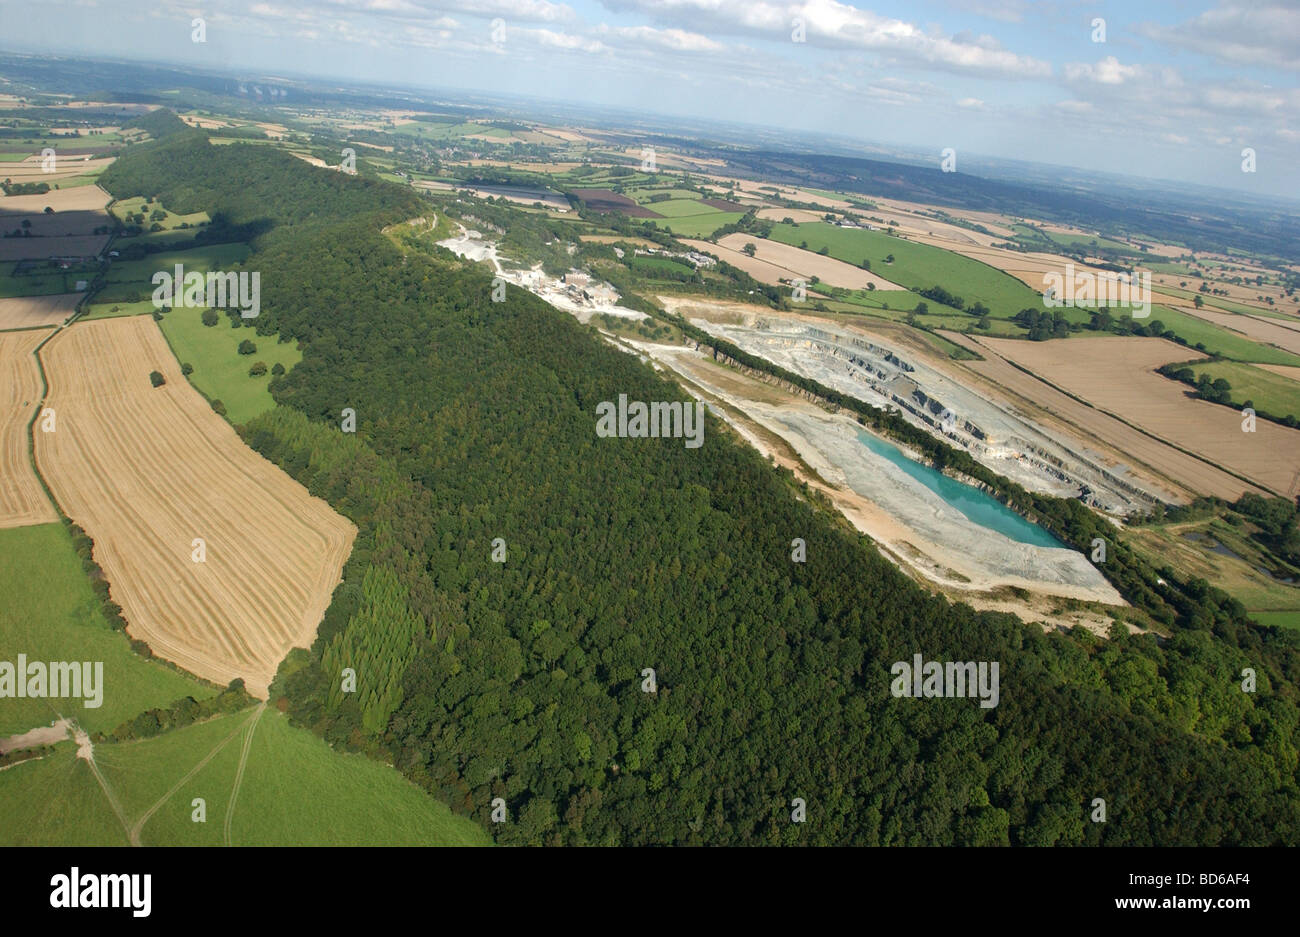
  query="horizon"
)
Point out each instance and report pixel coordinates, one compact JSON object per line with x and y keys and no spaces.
{"x":992,"y":97}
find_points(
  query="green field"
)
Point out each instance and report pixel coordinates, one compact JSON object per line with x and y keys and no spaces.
{"x":220,"y":371}
{"x":1287,"y":619}
{"x":1269,"y":392}
{"x":55,"y":801}
{"x":41,"y":284}
{"x":1216,"y":339}
{"x":681,"y":208}
{"x":920,"y":266}
{"x":651,"y":264}
{"x":50,"y":613}
{"x":696,"y":226}
{"x":293,"y":790}
{"x":198,"y":259}
{"x":171,"y":221}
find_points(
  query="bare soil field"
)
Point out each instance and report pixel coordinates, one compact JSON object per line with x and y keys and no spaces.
{"x":760,"y":270}
{"x":798,"y":262}
{"x":145,"y":470}
{"x":607,"y":200}
{"x":1154,"y":461}
{"x":25,"y":312}
{"x":22,"y":501}
{"x":34,"y":248}
{"x":1116,"y":374}
{"x":797,"y":215}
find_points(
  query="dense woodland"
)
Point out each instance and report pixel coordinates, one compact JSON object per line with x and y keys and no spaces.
{"x":522,"y":679}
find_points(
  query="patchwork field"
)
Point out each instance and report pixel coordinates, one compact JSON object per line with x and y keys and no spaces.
{"x":1116,"y":374}
{"x":26,"y":312}
{"x":21,"y":499}
{"x":1271,"y":393}
{"x":808,"y":264}
{"x":1151,"y":458}
{"x":918,"y":266}
{"x":145,"y":470}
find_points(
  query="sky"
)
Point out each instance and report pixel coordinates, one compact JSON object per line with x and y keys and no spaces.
{"x":1171,"y":90}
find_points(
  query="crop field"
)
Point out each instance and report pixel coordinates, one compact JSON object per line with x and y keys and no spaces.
{"x":50,"y":613}
{"x":220,"y":371}
{"x":21,"y":499}
{"x":1155,"y":460}
{"x":916,"y":266}
{"x":28,"y":312}
{"x":1274,"y":333}
{"x":697,"y":226}
{"x":148,"y":470}
{"x":1116,"y":374}
{"x":1269,"y":392}
{"x":808,"y":264}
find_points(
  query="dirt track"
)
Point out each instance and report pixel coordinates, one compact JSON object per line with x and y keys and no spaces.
{"x":147,"y":470}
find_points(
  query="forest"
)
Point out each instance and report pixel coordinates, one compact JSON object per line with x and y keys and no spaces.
{"x":524,"y":679}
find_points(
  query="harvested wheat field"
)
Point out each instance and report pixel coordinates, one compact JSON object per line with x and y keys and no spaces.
{"x":1117,"y":374}
{"x":1154,"y":462}
{"x":146,"y":470}
{"x":804,"y":263}
{"x":77,"y":198}
{"x":25,"y":312}
{"x":22,"y":501}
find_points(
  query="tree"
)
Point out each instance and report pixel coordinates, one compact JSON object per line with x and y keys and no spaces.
{"x":209,"y":317}
{"x":889,"y":258}
{"x":277,"y":369}
{"x":750,"y":249}
{"x":258,"y":369}
{"x":157,"y":379}
{"x":187,"y":369}
{"x":247,"y":348}
{"x":1198,"y":302}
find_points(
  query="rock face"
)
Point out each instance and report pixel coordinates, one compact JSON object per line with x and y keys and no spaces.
{"x":882,"y":376}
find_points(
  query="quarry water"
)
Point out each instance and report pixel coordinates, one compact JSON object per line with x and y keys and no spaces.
{"x":976,"y":505}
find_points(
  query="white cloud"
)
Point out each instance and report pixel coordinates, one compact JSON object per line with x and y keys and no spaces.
{"x":1265,"y":34}
{"x":829,"y":23}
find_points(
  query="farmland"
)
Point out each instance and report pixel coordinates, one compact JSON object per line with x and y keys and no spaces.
{"x":1116,"y":375}
{"x":50,"y":613}
{"x":146,"y":470}
{"x":220,"y":371}
{"x":918,"y":266}
{"x":1267,"y":392}
{"x":21,"y":499}
{"x":1154,"y":459}
{"x":282,"y":787}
